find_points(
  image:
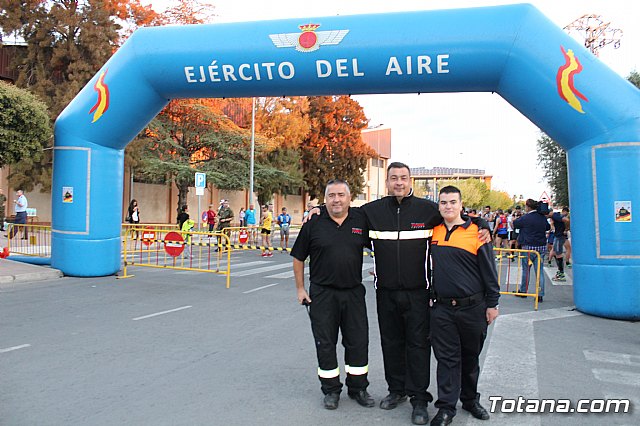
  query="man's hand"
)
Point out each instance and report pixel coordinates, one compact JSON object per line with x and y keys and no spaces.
{"x":314,"y":211}
{"x":484,"y":235}
{"x":302,"y":296}
{"x":492,"y":314}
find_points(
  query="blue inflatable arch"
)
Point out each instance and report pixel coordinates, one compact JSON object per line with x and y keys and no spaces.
{"x":511,"y":50}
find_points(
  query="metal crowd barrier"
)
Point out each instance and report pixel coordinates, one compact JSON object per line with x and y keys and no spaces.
{"x":248,"y":237}
{"x":172,"y":249}
{"x":129,"y":228}
{"x":29,"y":240}
{"x":509,"y":265}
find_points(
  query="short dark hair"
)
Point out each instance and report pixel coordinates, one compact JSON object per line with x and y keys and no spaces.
{"x":184,"y":208}
{"x":398,"y":165}
{"x":450,"y":189}
{"x":487,"y":207}
{"x":565,"y":209}
{"x":532,"y":204}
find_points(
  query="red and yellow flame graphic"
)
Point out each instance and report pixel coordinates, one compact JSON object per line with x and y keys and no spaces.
{"x":102,"y":105}
{"x":564,"y":80}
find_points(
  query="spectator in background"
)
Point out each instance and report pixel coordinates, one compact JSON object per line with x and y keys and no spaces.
{"x":284,"y":221}
{"x":567,"y":241}
{"x":187,"y":228}
{"x":3,"y":199}
{"x":225,"y":216}
{"x":242,"y":215}
{"x":133,"y":216}
{"x":20,"y":205}
{"x":489,"y":217}
{"x":516,"y":214}
{"x":183,"y":216}
{"x":306,"y":212}
{"x":500,"y":229}
{"x":250,"y":219}
{"x":134,"y":212}
{"x":211,"y":218}
{"x":533,"y":227}
{"x":559,"y":231}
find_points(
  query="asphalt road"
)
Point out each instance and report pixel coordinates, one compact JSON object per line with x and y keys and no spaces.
{"x":178,"y":348}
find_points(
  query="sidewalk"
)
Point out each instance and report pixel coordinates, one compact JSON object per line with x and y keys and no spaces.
{"x":16,"y":272}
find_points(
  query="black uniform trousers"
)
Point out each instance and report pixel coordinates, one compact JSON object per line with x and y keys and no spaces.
{"x":345,"y":309}
{"x":457,"y":336}
{"x":403,"y":318}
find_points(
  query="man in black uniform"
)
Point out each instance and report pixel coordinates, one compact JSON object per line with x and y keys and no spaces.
{"x":465,"y":289}
{"x":336,"y":294}
{"x":399,"y":227}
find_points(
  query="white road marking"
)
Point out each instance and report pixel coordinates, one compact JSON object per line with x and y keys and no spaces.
{"x":617,"y":376}
{"x":288,"y":274}
{"x":260,"y":270}
{"x":512,"y":353}
{"x":612,"y":357}
{"x":259,"y":288}
{"x":14,"y":348}
{"x":162,"y":313}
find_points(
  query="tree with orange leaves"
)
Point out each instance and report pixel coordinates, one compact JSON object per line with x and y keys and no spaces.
{"x":334,"y":147}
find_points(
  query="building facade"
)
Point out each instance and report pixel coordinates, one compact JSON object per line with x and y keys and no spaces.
{"x":426,"y":181}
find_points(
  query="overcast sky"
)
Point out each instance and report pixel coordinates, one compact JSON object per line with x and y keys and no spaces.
{"x":483,"y":129}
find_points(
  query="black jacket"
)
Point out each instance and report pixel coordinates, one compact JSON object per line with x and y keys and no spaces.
{"x":399,"y":235}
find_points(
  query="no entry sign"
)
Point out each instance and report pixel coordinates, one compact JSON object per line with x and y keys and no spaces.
{"x":148,"y":236}
{"x":243,"y":236}
{"x":173,"y":244}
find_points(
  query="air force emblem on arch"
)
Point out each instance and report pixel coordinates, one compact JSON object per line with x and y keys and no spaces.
{"x":308,"y":40}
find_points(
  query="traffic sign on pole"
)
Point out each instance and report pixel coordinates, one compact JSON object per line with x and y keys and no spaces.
{"x":201,"y":184}
{"x":201,"y":180}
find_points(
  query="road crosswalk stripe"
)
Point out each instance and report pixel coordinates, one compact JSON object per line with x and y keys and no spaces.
{"x":255,"y":271}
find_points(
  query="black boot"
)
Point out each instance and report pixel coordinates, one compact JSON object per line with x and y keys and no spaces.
{"x":419,"y":416}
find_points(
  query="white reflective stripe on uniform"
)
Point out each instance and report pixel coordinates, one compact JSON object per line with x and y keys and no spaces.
{"x":383,"y":235}
{"x":356,"y":371}
{"x":416,"y":234}
{"x":328,"y":374}
{"x":402,"y":235}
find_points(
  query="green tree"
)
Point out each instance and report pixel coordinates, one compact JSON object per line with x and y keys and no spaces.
{"x":67,"y":42}
{"x":497,"y":200}
{"x":553,"y":159}
{"x":474,"y":191}
{"x":334,"y":147}
{"x":634,"y":78}
{"x":24,"y":130}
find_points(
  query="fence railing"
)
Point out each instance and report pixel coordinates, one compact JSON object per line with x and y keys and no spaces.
{"x":172,"y":249}
{"x":514,"y":272}
{"x":29,"y":240}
